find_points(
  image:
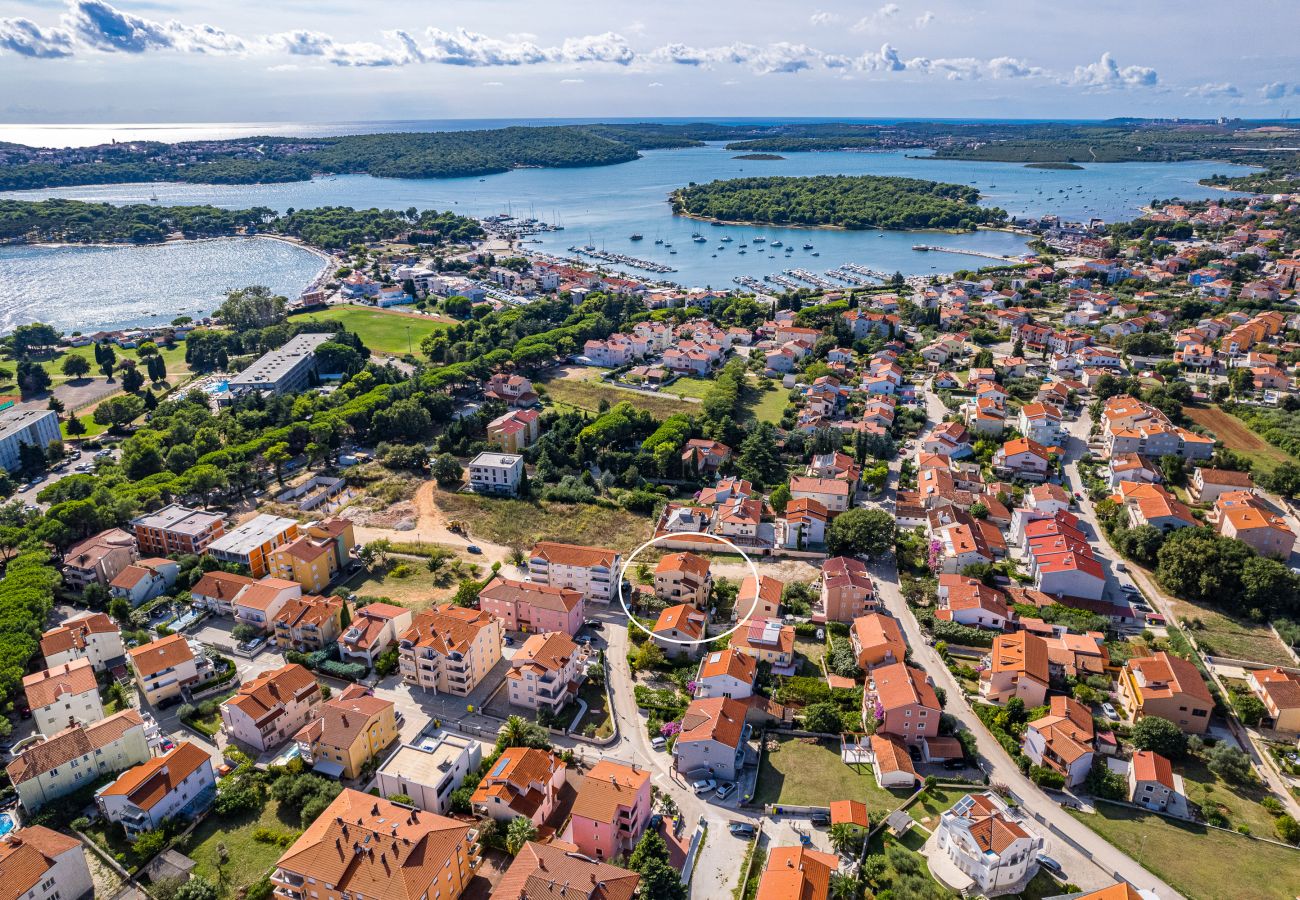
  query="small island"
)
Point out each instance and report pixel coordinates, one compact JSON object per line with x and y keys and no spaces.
{"x":759,"y":156}
{"x":841,"y":201}
{"x":1066,"y":166}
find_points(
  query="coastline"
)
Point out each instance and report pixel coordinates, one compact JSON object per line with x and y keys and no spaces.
{"x":699,"y":218}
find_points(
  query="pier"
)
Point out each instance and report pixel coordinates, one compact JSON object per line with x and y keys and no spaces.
{"x":644,"y":265}
{"x":980,"y":253}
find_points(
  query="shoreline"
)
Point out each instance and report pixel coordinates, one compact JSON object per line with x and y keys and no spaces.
{"x":1007,"y":229}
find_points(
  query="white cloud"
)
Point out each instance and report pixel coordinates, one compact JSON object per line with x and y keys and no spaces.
{"x":494,"y":84}
{"x":655,"y":84}
{"x":925,"y":19}
{"x":821,"y":18}
{"x":1215,"y":90}
{"x":571,"y":80}
{"x":781,"y":57}
{"x":26,"y":38}
{"x":877,"y":19}
{"x":1107,"y":74}
{"x":1276,"y":90}
{"x":104,"y":27}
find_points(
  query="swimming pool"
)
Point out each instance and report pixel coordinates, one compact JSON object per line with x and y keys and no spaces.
{"x":219,"y":388}
{"x":6,"y":824}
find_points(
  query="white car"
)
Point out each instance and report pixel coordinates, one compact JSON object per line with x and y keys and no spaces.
{"x":704,"y":785}
{"x":1109,"y":711}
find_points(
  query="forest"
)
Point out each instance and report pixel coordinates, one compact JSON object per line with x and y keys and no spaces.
{"x":74,"y":221}
{"x":862,"y":201}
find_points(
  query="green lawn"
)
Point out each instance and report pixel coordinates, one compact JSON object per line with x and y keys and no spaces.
{"x":936,"y":801}
{"x":247,"y":860}
{"x":586,"y":393}
{"x":770,"y":405}
{"x":1198,"y":862}
{"x":519,"y":523}
{"x":1240,"y":804}
{"x":597,"y":709}
{"x":689,"y":387}
{"x":406,"y":583}
{"x":383,"y":331}
{"x":811,"y":774}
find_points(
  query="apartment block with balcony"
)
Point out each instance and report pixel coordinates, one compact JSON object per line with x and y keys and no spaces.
{"x":252,"y":543}
{"x":37,"y":863}
{"x":77,"y":756}
{"x":611,"y":810}
{"x":523,"y":782}
{"x":98,"y":559}
{"x":64,"y":695}
{"x":593,"y":571}
{"x":367,"y":846}
{"x":1167,"y":686}
{"x":177,"y":530}
{"x":348,"y":732}
{"x":179,"y":784}
{"x":272,"y":707}
{"x":316,"y":556}
{"x":449,"y":649}
{"x":309,"y":623}
{"x":683,"y":578}
{"x":545,"y":672}
{"x":163,"y":668}
{"x":374,"y":628}
{"x":91,"y":636}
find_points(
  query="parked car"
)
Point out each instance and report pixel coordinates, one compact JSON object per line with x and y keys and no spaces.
{"x":820,"y":818}
{"x":659,"y":743}
{"x":704,"y":785}
{"x":508,"y":641}
{"x":724,"y":790}
{"x":594,"y":624}
{"x":1120,"y":567}
{"x":953,"y":765}
{"x":1050,"y":864}
{"x":474,"y":549}
{"x":742,"y":829}
{"x":1109,"y":711}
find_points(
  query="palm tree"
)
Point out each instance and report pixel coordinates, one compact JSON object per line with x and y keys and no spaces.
{"x":519,"y":832}
{"x":513,"y":731}
{"x":845,"y":887}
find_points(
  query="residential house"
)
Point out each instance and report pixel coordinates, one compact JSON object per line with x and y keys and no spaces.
{"x":877,"y":640}
{"x":538,"y":868}
{"x":90,"y":636}
{"x":1244,"y":516}
{"x":759,"y":599}
{"x":1022,"y":458}
{"x":374,"y":629}
{"x":1167,"y":686}
{"x":37,"y":863}
{"x":891,"y":762}
{"x":216,"y":591}
{"x":704,"y":457}
{"x":347,"y":732}
{"x":981,"y":839}
{"x":63,"y":695}
{"x":405,"y":853}
{"x":769,"y":641}
{"x":309,"y":623}
{"x":514,"y":390}
{"x":1041,"y":423}
{"x":1151,"y":780}
{"x":77,"y":756}
{"x":545,"y":672}
{"x":177,"y":785}
{"x":680,"y":631}
{"x":1150,"y":504}
{"x":846,"y":590}
{"x":805,"y":524}
{"x":268,"y":710}
{"x":1062,"y":740}
{"x":98,"y":559}
{"x":611,"y":810}
{"x":177,"y":530}
{"x":525,"y":606}
{"x":144,"y":580}
{"x":1017,"y":668}
{"x":515,"y":431}
{"x":431,"y":771}
{"x":592,"y":571}
{"x":496,"y":473}
{"x":449,"y":649}
{"x":902,"y":702}
{"x":165,"y":667}
{"x":797,"y":872}
{"x":683,"y":578}
{"x":968,"y":601}
{"x":259,"y":603}
{"x":316,"y":556}
{"x":1132,"y":467}
{"x":522,"y":782}
{"x":252,"y":543}
{"x":726,"y":673}
{"x":712,"y":739}
{"x":835,"y":494}
{"x":1206,"y":484}
{"x":1279,"y":691}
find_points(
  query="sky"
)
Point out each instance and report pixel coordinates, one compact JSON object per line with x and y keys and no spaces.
{"x":167,"y":61}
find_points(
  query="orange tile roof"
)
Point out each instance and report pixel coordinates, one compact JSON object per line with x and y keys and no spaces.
{"x":768,"y":589}
{"x":898,"y":685}
{"x":574,"y":554}
{"x":260,"y":595}
{"x":164,"y":653}
{"x":26,"y":855}
{"x":609,"y":787}
{"x":891,"y":755}
{"x":1023,"y":653}
{"x":343,"y":719}
{"x":1151,"y":766}
{"x":272,"y":690}
{"x":549,"y":872}
{"x":541,"y":596}
{"x":43,"y":688}
{"x":879,"y":631}
{"x":520,"y":778}
{"x":797,"y":873}
{"x":719,"y":719}
{"x":146,"y":784}
{"x":1175,"y":675}
{"x":850,"y":812}
{"x":447,"y":628}
{"x":73,"y":634}
{"x":740,"y":666}
{"x":687,"y":563}
{"x":404,"y":852}
{"x":71,"y":743}
{"x":221,"y":585}
{"x":685,"y":619}
{"x":550,"y":651}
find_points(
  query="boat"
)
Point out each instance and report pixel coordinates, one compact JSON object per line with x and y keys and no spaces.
{"x":672,"y":252}
{"x":700,"y":239}
{"x":775,"y":244}
{"x":659,"y":240}
{"x":815,"y":253}
{"x":695,"y":234}
{"x":742,"y":252}
{"x":715,"y":256}
{"x":716,"y":224}
{"x":807,"y":246}
{"x":727,"y":239}
{"x":635,"y":237}
{"x":760,"y":240}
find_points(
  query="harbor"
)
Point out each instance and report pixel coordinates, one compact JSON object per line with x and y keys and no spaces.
{"x":645,"y":265}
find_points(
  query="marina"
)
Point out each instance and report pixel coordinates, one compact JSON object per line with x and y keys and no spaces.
{"x":644,"y":265}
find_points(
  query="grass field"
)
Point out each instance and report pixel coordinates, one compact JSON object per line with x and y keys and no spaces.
{"x":935,"y":801}
{"x":1200,"y":863}
{"x":1236,"y":638}
{"x":1240,"y":804}
{"x":1236,"y":435}
{"x":583,"y":389}
{"x":247,"y":860}
{"x":811,"y":774}
{"x":383,"y":331}
{"x":417,"y":590}
{"x":518,"y":523}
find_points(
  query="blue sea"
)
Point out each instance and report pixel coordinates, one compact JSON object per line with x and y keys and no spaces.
{"x":601,"y":206}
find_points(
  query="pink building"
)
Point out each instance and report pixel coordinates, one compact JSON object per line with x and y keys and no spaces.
{"x":527,"y":606}
{"x":846,"y":590}
{"x":611,"y":810}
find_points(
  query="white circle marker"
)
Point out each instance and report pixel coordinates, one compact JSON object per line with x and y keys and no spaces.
{"x":677,"y":534}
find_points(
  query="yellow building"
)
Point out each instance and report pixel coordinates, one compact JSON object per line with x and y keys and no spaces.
{"x":315,"y":557}
{"x":350,"y":730}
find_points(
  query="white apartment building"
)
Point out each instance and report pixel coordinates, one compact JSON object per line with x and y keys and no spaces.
{"x":77,"y":756}
{"x":25,"y":425}
{"x":39,"y":864}
{"x":496,"y":473}
{"x":591,"y":570}
{"x":91,"y":636}
{"x":63,"y":696}
{"x":179,"y":783}
{"x":429,"y":770}
{"x":981,"y":839}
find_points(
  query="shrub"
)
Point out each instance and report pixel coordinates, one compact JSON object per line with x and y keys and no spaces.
{"x":1160,"y":736}
{"x":1287,"y":828}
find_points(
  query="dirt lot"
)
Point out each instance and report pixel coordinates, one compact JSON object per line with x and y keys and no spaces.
{"x":1236,"y":435}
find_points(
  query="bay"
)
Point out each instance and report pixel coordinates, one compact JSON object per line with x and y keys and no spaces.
{"x":605,"y":206}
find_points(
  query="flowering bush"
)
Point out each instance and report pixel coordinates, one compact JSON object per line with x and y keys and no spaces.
{"x":668,"y":729}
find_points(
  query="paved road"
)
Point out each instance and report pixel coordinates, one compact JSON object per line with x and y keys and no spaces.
{"x":1100,"y":863}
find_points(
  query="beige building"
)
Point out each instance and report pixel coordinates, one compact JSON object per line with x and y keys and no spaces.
{"x":1017,"y":668}
{"x":545,"y":672}
{"x":77,"y":756}
{"x":429,"y":772}
{"x":309,"y":623}
{"x":759,"y":599}
{"x":846,"y":590}
{"x":404,"y":854}
{"x":90,"y":636}
{"x":1167,"y":686}
{"x":270,"y":709}
{"x":1279,"y":690}
{"x":316,"y":556}
{"x":523,"y":782}
{"x":165,"y":666}
{"x":98,"y":559}
{"x":592,"y":570}
{"x":877,"y":641}
{"x":684,"y":578}
{"x":449,"y":649}
{"x":374,"y":629}
{"x":347,"y":732}
{"x":39,"y":864}
{"x":63,"y":696}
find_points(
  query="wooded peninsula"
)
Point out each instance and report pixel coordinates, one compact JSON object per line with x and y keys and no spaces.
{"x":861,"y":201}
